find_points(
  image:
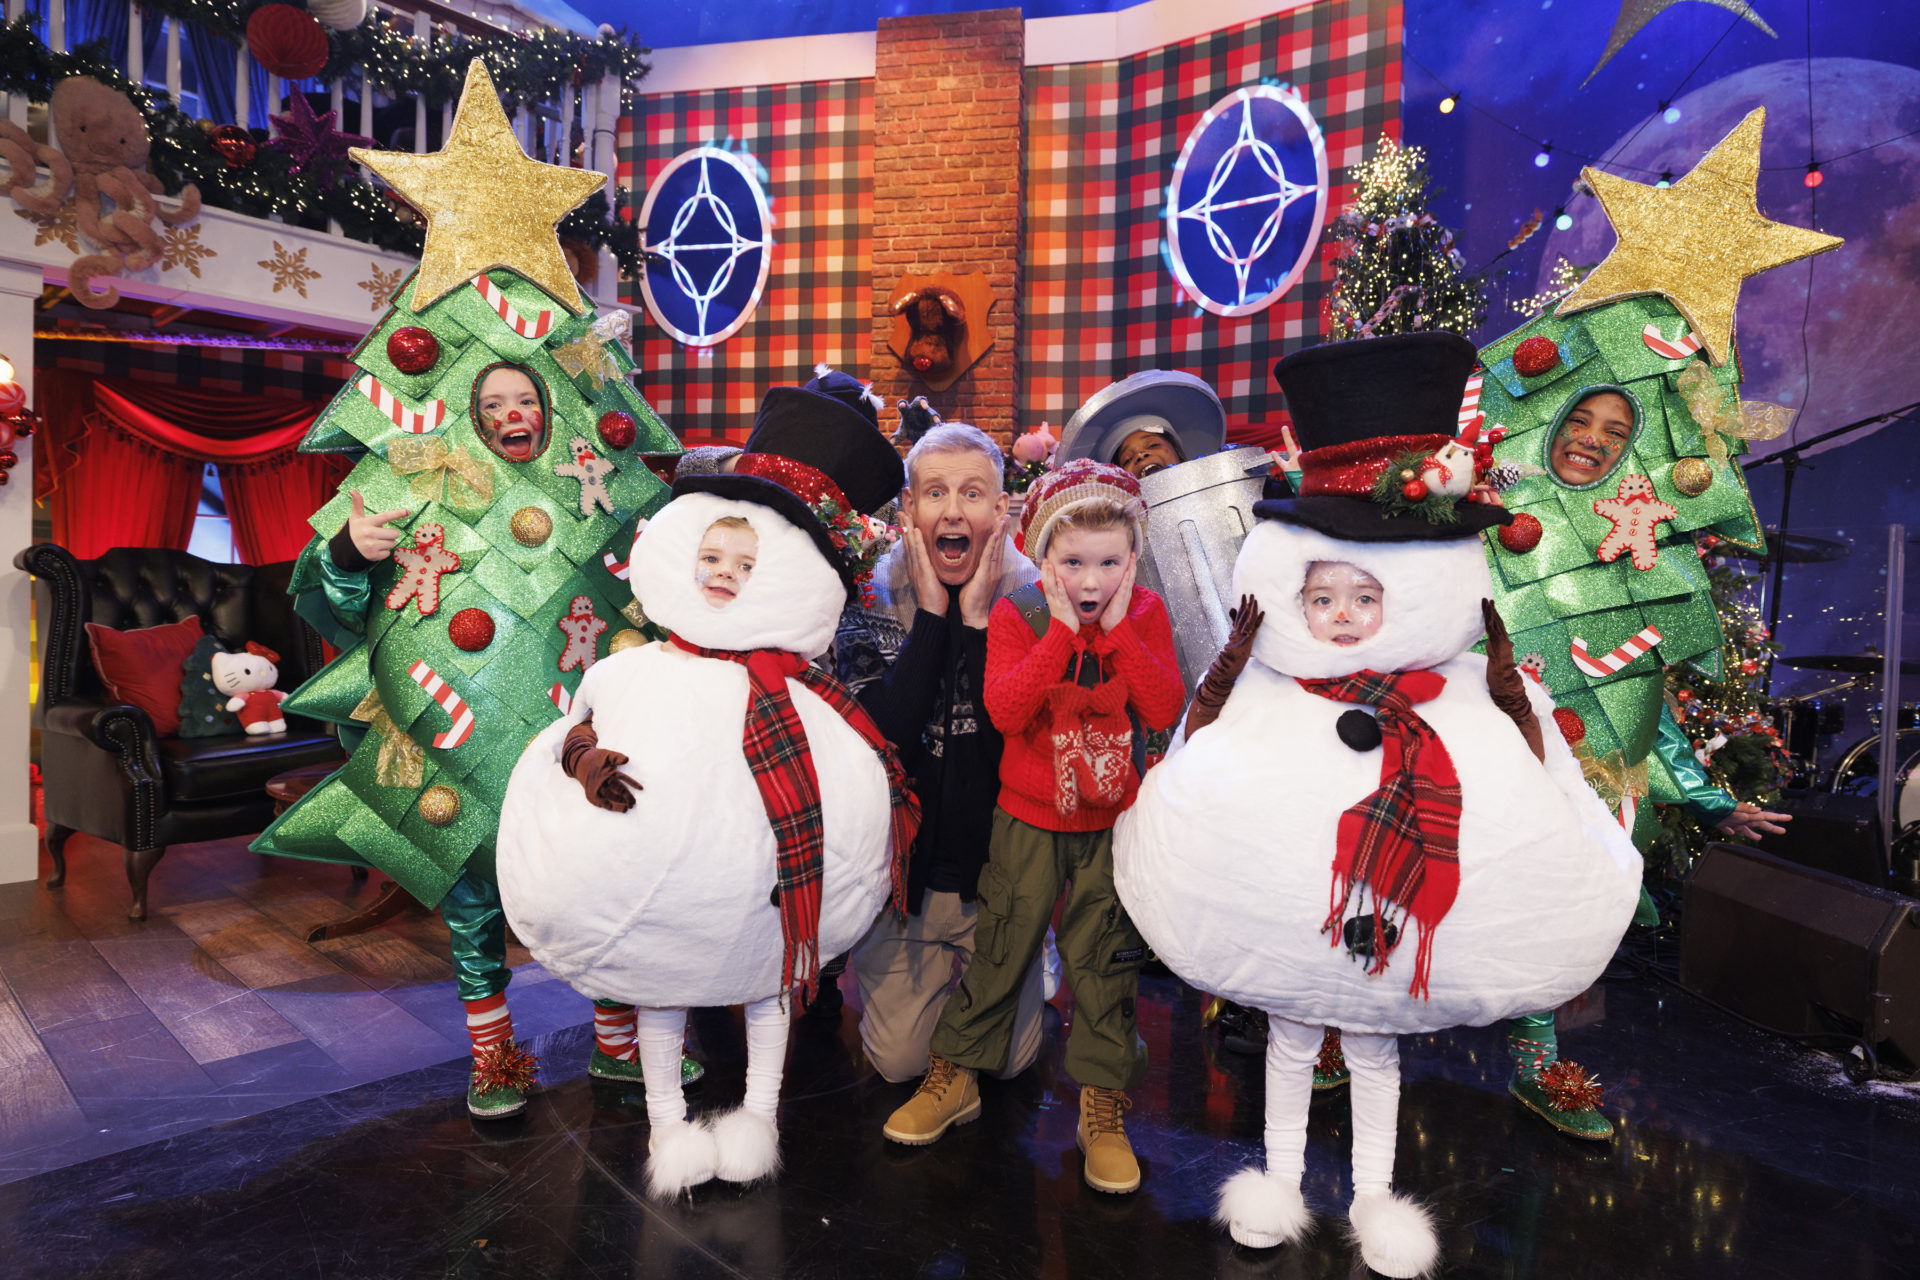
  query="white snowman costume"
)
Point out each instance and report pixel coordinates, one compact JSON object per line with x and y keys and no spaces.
{"x":1225,"y":864}
{"x":670,"y":904}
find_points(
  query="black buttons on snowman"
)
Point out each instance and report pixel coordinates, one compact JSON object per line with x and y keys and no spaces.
{"x":1357,"y":933}
{"x":1358,"y":730}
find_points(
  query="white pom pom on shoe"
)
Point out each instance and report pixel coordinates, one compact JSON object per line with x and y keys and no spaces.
{"x":679,"y":1157}
{"x":1395,"y":1235}
{"x":1263,"y":1210}
{"x":747,"y":1145}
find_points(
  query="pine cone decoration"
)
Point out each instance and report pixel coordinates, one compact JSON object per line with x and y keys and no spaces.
{"x":1504,"y":475}
{"x":1569,"y":1088}
{"x":503,"y":1066}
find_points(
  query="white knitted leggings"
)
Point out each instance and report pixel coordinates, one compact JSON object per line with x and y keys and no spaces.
{"x":1292,"y":1048}
{"x":662,"y":1032}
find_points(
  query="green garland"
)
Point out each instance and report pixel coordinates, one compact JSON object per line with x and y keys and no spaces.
{"x":1435,"y":508}
{"x":183,"y":152}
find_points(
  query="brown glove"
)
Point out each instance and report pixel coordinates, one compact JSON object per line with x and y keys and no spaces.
{"x":596,"y":770}
{"x":1506,"y":684}
{"x":1226,"y":668}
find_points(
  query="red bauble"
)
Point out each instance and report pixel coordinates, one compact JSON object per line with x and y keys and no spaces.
{"x":617,"y":429}
{"x":413,"y":349}
{"x":1522,"y":536}
{"x":288,"y":42}
{"x":471,"y":630}
{"x":1414,"y":491}
{"x":12,"y":396}
{"x":6,"y":434}
{"x":1571,"y":726}
{"x":234,"y":145}
{"x":1535,"y":356}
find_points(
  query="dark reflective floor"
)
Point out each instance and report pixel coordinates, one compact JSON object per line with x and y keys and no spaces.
{"x":1739,"y":1156}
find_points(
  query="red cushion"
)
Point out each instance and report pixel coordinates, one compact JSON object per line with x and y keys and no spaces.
{"x":143,"y":667}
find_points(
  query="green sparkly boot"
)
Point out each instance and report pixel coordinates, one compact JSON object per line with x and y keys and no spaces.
{"x":1330,"y":1068}
{"x":604,"y":1066}
{"x":1559,"y":1092}
{"x":502,"y":1076}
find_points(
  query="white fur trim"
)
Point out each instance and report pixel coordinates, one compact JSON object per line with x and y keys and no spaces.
{"x":821,"y":369}
{"x":1263,"y":1210}
{"x":792,"y":602}
{"x":1395,"y":1235}
{"x":1432,"y":602}
{"x":748,"y":1146}
{"x":679,"y":1157}
{"x":872,"y":397}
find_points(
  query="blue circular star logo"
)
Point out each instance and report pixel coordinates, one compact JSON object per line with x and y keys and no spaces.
{"x":1247,"y":200}
{"x":707,"y":215}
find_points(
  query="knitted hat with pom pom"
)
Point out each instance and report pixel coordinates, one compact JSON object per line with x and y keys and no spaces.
{"x":1077,"y":483}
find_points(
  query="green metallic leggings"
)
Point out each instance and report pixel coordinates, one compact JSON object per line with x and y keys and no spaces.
{"x":479,"y":927}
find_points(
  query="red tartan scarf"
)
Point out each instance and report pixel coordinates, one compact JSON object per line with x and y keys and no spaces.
{"x":782,"y":764}
{"x":1399,"y":849}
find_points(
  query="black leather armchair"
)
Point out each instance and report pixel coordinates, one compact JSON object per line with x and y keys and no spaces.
{"x":106,"y":772}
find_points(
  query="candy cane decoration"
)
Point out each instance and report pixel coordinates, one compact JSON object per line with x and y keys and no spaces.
{"x":618,"y":568}
{"x":561,"y":698}
{"x":537,"y":328}
{"x":1613,"y":662}
{"x":417,"y":421}
{"x":450,"y":702}
{"x":1470,"y":403}
{"x":1627,"y":806}
{"x":1676,"y":350}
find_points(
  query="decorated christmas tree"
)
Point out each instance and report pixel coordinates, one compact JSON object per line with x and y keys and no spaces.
{"x":508,"y":582}
{"x":1398,"y":270}
{"x":1600,"y":582}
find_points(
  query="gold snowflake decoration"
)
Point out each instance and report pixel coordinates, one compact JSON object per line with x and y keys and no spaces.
{"x":182,"y":248}
{"x":64,"y":227}
{"x":289,"y":269}
{"x":381,"y":284}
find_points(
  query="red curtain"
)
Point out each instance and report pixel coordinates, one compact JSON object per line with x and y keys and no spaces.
{"x":124,"y":462}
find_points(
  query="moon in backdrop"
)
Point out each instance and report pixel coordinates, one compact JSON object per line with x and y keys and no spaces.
{"x":1857,"y":359}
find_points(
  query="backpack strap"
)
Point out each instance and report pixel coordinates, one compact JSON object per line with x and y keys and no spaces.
{"x":1031,"y":600}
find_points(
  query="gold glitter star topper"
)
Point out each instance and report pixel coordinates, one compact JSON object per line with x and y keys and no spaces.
{"x":1695,"y":242}
{"x":486,"y":202}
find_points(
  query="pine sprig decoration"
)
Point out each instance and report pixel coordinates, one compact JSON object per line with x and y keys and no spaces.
{"x":1399,"y":270}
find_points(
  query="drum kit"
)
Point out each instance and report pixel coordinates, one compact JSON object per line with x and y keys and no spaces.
{"x":1803,"y":721}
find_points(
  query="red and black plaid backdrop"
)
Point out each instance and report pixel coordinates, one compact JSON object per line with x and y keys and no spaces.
{"x":1100,"y":301}
{"x":815,"y":141}
{"x":241,"y":370}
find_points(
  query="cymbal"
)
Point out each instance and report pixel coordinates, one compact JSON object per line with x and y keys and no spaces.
{"x":1859,"y":663}
{"x":1794,"y":548}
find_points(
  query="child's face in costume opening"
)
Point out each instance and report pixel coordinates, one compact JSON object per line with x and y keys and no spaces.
{"x":1592,"y":438}
{"x":1090,"y":564}
{"x":724,"y":562}
{"x":1144,"y":452}
{"x":1344,"y":603}
{"x":511,"y":423}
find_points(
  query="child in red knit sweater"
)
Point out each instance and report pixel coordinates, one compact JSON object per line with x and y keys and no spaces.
{"x":1076,"y":665}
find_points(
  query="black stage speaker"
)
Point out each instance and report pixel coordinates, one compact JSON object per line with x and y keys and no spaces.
{"x":1833,"y":833}
{"x":1802,"y":951}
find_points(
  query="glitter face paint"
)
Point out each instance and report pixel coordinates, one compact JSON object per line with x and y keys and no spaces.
{"x":1344,"y":604}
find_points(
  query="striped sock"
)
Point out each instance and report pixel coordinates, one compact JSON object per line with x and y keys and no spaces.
{"x":488,"y":1022}
{"x":613,"y":1026}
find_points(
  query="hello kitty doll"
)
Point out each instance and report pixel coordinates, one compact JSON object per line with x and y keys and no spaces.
{"x":247,"y":679}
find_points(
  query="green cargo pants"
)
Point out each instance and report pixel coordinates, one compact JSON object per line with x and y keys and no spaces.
{"x":1099,"y":948}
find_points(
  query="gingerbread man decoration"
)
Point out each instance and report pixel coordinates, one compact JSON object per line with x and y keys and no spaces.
{"x":583,"y":634}
{"x":1636,"y":515}
{"x":591,"y":470}
{"x":420,"y":568}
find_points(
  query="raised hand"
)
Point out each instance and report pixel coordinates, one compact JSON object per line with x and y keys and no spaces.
{"x":1057,"y":602}
{"x":1227,"y":665}
{"x":929,"y":592}
{"x":373,"y":536}
{"x":1505,"y":684}
{"x":1116,"y":610}
{"x":976,"y":597}
{"x":1287,"y":458}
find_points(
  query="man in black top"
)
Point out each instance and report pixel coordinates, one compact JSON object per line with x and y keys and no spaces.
{"x":917,"y":659}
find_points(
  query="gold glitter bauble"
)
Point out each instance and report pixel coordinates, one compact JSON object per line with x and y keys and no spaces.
{"x":487,"y":204}
{"x":439,"y":805}
{"x":1691,"y":476}
{"x":625,"y":639}
{"x":530,"y":526}
{"x":1694,"y":243}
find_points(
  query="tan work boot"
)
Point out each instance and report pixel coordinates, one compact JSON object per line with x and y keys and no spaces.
{"x":1110,"y":1165}
{"x":947,"y":1096}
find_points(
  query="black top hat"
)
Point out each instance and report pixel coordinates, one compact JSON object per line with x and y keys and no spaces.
{"x":1360,"y":406}
{"x":816,"y":456}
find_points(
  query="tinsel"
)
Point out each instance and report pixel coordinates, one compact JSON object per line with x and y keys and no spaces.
{"x":1332,"y":1060}
{"x":504,"y":1066}
{"x":1569,"y":1088}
